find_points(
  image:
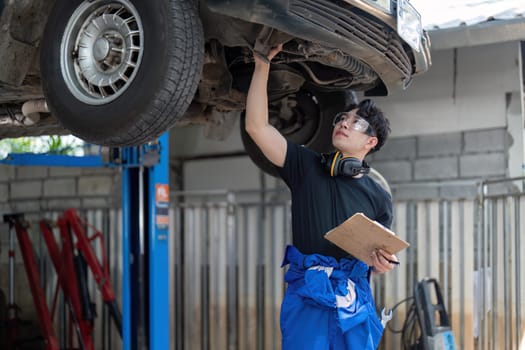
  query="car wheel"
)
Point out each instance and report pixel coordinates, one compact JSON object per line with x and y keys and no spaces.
{"x":121,"y":72}
{"x":310,"y":124}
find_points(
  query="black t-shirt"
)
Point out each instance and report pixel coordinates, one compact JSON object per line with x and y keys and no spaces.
{"x":321,"y":202}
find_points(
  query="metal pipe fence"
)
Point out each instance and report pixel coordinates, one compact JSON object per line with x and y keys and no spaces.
{"x":471,"y":246}
{"x":227,"y":284}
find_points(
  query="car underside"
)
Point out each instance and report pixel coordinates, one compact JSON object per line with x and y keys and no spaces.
{"x":330,"y":49}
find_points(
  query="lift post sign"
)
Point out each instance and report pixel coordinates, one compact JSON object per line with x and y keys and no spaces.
{"x":162,"y":200}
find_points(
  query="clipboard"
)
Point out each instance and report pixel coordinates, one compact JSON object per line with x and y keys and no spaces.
{"x":360,"y":236}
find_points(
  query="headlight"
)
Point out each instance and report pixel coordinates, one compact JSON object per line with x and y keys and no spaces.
{"x":383,"y":5}
{"x":409,"y":24}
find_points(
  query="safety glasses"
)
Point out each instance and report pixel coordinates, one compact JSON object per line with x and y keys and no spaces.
{"x":355,"y":122}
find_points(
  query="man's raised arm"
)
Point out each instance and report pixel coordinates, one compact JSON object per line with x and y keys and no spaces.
{"x":267,"y":138}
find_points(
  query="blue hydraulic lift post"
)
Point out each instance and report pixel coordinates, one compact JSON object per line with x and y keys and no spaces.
{"x":156,"y":234}
{"x":159,"y":321}
{"x":126,"y":229}
{"x":130,"y":161}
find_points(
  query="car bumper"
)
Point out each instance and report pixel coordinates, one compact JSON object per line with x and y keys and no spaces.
{"x":326,"y":22}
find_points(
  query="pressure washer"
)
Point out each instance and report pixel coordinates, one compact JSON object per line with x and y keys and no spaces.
{"x":427,"y":325}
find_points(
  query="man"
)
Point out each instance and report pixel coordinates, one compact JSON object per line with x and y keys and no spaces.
{"x":328,"y":302}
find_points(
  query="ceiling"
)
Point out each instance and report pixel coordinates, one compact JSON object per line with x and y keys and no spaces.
{"x":445,"y":14}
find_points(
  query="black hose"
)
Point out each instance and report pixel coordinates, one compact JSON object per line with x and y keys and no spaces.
{"x":88,"y":312}
{"x":114,"y":311}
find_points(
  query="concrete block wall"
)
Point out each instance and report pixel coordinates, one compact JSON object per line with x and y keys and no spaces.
{"x":33,"y":189}
{"x":447,"y":165}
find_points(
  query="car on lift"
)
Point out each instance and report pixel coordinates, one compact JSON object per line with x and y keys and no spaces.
{"x":122,"y":72}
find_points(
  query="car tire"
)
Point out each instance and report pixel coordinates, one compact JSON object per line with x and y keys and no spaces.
{"x":325,"y":105}
{"x":135,"y":80}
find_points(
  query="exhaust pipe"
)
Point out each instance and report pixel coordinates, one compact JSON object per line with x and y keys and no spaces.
{"x":31,"y":111}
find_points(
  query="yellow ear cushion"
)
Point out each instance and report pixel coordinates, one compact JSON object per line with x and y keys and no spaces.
{"x":334,"y":161}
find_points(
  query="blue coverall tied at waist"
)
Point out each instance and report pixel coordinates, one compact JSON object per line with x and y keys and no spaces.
{"x":328,"y":304}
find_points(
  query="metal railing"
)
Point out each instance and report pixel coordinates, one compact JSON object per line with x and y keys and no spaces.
{"x":229,"y":252}
{"x":227,"y":283}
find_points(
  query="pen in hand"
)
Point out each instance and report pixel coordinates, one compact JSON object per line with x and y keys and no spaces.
{"x":395,"y":262}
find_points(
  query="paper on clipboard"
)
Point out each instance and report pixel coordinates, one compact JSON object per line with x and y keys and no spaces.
{"x":360,"y":236}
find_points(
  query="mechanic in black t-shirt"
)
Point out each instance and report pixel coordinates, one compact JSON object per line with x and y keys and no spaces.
{"x":328,"y":302}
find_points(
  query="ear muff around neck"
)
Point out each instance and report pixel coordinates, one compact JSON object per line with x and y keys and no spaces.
{"x":337,"y":165}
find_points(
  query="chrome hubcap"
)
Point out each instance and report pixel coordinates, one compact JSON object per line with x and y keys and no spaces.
{"x":101,"y":50}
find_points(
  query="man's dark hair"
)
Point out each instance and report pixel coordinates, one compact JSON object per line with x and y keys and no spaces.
{"x":368,"y":110}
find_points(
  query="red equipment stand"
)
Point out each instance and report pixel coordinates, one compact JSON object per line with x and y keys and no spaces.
{"x":75,"y":294}
{"x":31,"y":267}
{"x":100,"y":271}
{"x":69,"y":264}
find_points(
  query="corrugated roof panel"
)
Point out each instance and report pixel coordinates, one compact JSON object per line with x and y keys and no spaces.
{"x":453,"y":13}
